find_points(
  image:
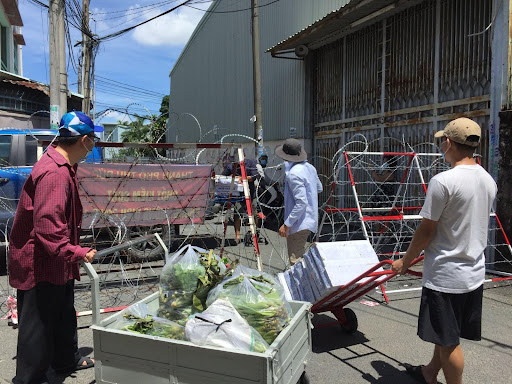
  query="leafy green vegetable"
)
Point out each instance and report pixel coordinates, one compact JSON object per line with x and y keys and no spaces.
{"x":153,"y":327}
{"x":185,"y":283}
{"x":259,"y":300}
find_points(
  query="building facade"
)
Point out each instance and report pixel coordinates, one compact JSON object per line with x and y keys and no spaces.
{"x":24,"y":103}
{"x":394,"y":71}
{"x":212,"y":80}
{"x":11,"y":38}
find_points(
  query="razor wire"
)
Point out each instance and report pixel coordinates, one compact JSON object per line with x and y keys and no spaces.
{"x":130,"y":275}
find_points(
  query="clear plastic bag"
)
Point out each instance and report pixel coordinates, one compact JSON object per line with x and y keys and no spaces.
{"x":222,"y":326}
{"x":186,"y":279}
{"x":258,"y":298}
{"x":178,"y":282}
{"x":139,"y":319}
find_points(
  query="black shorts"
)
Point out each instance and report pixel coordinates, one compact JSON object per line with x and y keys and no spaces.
{"x":445,"y":317}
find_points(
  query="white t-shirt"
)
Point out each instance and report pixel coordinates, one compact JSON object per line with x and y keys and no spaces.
{"x":460,"y":200}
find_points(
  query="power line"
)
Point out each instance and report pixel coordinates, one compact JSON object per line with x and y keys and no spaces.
{"x":235,"y":10}
{"x":139,"y":15}
{"x":131,"y":9}
{"x":125,"y":85}
{"x":100,"y":90}
{"x":123,"y":31}
{"x":39,"y":3}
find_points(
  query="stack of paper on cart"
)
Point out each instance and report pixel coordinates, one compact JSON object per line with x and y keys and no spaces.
{"x":327,"y":267}
{"x":223,"y":186}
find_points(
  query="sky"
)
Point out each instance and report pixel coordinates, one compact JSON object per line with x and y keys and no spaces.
{"x":139,"y":61}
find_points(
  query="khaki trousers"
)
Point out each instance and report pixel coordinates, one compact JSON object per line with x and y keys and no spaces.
{"x":296,"y":244}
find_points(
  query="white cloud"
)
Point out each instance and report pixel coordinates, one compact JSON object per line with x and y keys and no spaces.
{"x":173,"y":29}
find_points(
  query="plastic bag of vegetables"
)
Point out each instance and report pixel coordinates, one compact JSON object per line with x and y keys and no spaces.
{"x":222,"y":326}
{"x":155,"y":326}
{"x":139,"y":319}
{"x":258,"y":298}
{"x":186,"y":279}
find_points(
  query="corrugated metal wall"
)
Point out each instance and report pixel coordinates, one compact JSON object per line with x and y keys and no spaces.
{"x":213,"y":77}
{"x":381,"y":81}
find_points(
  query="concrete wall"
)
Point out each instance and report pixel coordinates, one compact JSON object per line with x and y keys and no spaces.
{"x":22,"y":121}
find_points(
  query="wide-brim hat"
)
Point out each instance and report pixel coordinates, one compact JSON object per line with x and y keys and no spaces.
{"x":292,"y":151}
{"x":463,"y":131}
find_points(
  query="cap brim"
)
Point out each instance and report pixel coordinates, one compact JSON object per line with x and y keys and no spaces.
{"x":439,"y":134}
{"x":293,"y":158}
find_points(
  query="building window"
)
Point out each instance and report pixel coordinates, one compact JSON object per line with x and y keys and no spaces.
{"x":5,"y":149}
{"x":4,"y":58}
{"x":15,"y":59}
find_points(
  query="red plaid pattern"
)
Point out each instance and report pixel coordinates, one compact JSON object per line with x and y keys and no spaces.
{"x":43,"y":243}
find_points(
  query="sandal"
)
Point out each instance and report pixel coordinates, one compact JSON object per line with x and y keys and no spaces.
{"x":416,"y":373}
{"x":80,"y":365}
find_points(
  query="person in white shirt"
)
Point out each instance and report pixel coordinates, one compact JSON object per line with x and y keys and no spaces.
{"x":453,"y":235}
{"x":301,"y":190}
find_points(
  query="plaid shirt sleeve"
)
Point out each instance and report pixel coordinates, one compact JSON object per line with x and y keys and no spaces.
{"x":51,"y":200}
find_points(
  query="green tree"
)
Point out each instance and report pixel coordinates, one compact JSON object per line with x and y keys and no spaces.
{"x":146,"y":129}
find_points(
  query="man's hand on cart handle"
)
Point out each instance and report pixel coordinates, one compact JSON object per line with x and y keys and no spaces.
{"x":283,"y":231}
{"x":399,"y":266}
{"x":89,"y":256}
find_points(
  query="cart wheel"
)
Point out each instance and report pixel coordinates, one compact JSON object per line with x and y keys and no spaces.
{"x":351,"y":324}
{"x":304,"y":379}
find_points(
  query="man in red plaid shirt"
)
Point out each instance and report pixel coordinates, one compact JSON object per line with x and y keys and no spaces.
{"x":44,"y":256}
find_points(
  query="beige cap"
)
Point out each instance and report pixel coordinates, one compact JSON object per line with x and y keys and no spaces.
{"x":460,"y":130}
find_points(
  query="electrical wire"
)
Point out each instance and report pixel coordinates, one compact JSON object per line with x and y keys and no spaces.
{"x":36,"y":2}
{"x":100,"y":89}
{"x":141,"y":7}
{"x":123,"y":31}
{"x":128,"y":86}
{"x":130,"y":12}
{"x":235,"y":10}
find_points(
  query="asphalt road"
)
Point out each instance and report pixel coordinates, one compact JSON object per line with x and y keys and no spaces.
{"x":386,"y":338}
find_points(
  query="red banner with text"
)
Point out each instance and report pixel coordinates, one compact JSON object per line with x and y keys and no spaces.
{"x":143,"y":194}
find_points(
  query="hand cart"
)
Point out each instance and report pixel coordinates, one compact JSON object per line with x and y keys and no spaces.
{"x":122,"y":357}
{"x":336,"y":301}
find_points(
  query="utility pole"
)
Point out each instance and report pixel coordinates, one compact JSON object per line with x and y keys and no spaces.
{"x":258,"y":124}
{"x":86,"y":51}
{"x":58,"y":74}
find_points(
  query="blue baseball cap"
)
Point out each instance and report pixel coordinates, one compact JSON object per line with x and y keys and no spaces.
{"x":75,"y":124}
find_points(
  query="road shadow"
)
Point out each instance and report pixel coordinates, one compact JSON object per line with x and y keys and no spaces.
{"x":327,"y":337}
{"x":387,"y":374}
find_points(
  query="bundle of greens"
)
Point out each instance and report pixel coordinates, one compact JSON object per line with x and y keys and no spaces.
{"x":258,"y":298}
{"x":185,"y":281}
{"x":154,"y":326}
{"x":215,"y":271}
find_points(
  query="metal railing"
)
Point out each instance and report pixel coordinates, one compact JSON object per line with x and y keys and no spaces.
{"x":91,"y":272}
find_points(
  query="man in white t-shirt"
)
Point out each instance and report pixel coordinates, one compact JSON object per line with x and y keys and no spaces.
{"x":453,"y":235}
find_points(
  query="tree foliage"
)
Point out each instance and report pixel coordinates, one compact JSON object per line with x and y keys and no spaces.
{"x":146,"y":129}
